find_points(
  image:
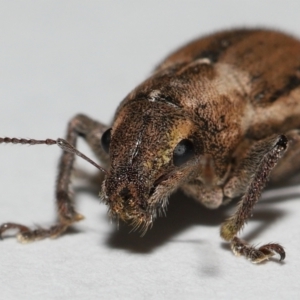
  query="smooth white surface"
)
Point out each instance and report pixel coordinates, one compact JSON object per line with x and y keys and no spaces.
{"x":58,"y":58}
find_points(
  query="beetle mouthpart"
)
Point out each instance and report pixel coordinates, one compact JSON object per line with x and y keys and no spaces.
{"x":128,"y":210}
{"x":137,"y":218}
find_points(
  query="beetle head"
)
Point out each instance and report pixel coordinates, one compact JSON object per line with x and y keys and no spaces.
{"x":151,"y":151}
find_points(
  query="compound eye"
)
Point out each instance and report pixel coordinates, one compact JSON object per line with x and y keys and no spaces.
{"x":183,"y":152}
{"x":105,"y":140}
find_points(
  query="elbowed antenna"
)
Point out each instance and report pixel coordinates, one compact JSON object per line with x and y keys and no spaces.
{"x":63,"y":144}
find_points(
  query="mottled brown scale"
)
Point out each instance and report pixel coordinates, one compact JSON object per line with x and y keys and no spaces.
{"x":217,"y":119}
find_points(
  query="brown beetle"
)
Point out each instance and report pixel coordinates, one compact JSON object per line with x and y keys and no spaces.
{"x":216,"y":119}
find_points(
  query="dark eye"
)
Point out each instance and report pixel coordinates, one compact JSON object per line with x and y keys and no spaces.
{"x":183,"y":152}
{"x":105,"y":140}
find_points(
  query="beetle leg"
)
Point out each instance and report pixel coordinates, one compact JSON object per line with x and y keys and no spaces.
{"x":262,"y":158}
{"x":91,"y":131}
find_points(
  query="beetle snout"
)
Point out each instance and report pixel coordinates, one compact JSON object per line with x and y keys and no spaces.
{"x":132,"y":196}
{"x":126,"y":199}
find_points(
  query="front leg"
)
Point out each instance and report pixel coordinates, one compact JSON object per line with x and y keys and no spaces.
{"x":91,"y":131}
{"x":253,"y":171}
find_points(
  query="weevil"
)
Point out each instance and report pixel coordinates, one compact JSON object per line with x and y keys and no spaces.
{"x":216,"y":119}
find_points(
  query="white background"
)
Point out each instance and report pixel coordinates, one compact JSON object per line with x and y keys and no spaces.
{"x":58,"y":58}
